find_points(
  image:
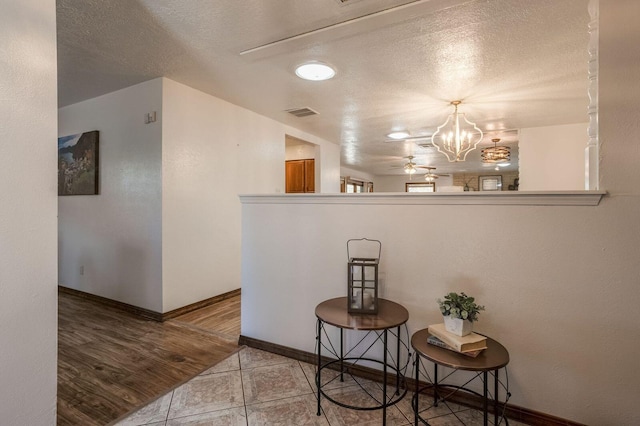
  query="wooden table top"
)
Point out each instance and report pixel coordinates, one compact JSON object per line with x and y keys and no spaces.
{"x":494,"y":357}
{"x":334,"y":312}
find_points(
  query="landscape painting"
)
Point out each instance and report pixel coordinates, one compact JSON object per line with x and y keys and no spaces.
{"x":78,"y":164}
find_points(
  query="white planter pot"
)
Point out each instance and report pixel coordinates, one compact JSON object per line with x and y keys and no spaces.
{"x":457,"y":326}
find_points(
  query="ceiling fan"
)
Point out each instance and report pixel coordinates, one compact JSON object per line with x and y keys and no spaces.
{"x":411,"y":168}
{"x":430,"y":176}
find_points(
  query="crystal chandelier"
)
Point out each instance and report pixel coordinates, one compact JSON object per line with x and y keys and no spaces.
{"x":495,"y":154}
{"x":457,"y":136}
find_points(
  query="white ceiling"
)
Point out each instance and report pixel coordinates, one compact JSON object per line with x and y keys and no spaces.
{"x":514,"y":63}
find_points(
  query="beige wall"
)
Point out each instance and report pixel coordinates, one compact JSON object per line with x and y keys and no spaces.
{"x":28,"y":201}
{"x":552,"y":158}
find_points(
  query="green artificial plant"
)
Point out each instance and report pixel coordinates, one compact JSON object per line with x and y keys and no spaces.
{"x":459,"y":305}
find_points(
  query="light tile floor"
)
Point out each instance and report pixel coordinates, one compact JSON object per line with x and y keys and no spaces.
{"x":254,"y":387}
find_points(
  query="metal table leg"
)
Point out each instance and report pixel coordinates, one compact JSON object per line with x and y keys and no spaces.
{"x":398,"y":362}
{"x":384,"y":380}
{"x":495,"y":397}
{"x":435,"y":384}
{"x":415,"y":407}
{"x":485,"y":403}
{"x":341,"y":355}
{"x":318,"y":379}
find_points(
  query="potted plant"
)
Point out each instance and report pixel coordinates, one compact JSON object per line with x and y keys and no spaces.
{"x":459,"y":311}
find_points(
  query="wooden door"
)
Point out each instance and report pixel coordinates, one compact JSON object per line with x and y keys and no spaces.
{"x":294,"y":176}
{"x":309,"y":176}
{"x":300,"y":176}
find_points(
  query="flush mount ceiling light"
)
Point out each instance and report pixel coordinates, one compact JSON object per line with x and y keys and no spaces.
{"x":398,"y":135}
{"x":457,"y":136}
{"x":496,"y":154}
{"x":315,"y":71}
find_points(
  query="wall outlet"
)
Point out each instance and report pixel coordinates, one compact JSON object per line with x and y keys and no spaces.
{"x":150,"y":117}
{"x":82,"y":270}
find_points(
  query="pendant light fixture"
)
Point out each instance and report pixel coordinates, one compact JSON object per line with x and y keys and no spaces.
{"x":457,"y":136}
{"x":495,"y":154}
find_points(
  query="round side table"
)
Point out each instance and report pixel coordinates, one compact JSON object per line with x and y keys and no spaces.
{"x":390,"y":315}
{"x":491,"y":359}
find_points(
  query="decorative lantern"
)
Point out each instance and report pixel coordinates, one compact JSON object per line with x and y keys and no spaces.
{"x":362,"y":295}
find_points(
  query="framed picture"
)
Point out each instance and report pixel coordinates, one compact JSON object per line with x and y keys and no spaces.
{"x":420,"y":187}
{"x":78,"y":164}
{"x":490,"y":183}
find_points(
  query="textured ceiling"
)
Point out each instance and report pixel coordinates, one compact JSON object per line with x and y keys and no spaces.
{"x":514,"y":63}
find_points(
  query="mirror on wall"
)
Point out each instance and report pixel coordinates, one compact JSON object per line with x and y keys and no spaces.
{"x":521,"y":70}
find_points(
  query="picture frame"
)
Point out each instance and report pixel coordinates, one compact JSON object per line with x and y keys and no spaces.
{"x":420,"y":187}
{"x":78,"y":164}
{"x":490,"y":183}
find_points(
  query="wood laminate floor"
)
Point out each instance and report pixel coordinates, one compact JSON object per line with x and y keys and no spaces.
{"x":222,"y":317}
{"x":111,"y":362}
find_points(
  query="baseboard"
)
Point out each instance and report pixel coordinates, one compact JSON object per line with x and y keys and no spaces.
{"x":513,"y":412}
{"x":135,"y":310}
{"x":201,"y":304}
{"x":146,"y":313}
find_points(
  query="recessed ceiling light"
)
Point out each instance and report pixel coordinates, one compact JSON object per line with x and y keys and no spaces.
{"x":398,"y":135}
{"x":315,"y":71}
{"x":504,"y":164}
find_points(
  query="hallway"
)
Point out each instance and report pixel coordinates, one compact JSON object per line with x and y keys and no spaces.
{"x":111,"y":362}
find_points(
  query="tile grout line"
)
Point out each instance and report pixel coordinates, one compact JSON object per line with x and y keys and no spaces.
{"x":166,"y":420}
{"x":314,"y":393}
{"x":244,"y":400}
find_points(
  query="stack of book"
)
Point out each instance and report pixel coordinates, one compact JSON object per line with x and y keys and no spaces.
{"x":470,"y":345}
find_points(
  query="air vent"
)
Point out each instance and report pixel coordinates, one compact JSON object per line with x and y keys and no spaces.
{"x":301,"y":112}
{"x":426,"y":145}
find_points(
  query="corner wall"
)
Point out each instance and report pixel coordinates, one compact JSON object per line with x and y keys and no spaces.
{"x":116,"y":236}
{"x":165,"y":230}
{"x":28,"y":200}
{"x":213,"y":151}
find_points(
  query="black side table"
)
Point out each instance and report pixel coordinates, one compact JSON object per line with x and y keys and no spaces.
{"x":390,"y":315}
{"x":491,"y":359}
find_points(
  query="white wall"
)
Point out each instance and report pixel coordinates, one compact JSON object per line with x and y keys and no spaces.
{"x":212,"y":151}
{"x":327,"y":165}
{"x":397,"y":183}
{"x":552,"y":158}
{"x":560,"y":284}
{"x":165,"y":230}
{"x":117,"y":235}
{"x":300,"y":152}
{"x":28,"y":194}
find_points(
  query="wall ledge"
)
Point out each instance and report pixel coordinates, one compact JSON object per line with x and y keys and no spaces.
{"x":508,"y":198}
